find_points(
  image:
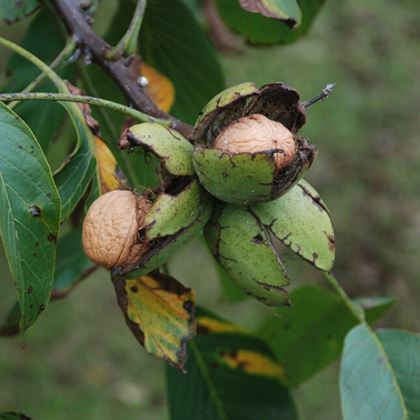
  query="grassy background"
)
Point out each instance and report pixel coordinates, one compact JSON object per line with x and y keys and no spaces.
{"x":80,"y":361}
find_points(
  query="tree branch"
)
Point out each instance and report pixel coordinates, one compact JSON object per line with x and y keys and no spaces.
{"x":118,"y":69}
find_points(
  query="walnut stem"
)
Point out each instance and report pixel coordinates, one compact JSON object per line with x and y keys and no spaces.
{"x":324,"y":94}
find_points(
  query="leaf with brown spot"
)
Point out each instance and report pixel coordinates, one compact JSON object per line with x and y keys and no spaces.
{"x":160,"y":312}
{"x":287,"y":11}
{"x":29,"y":242}
{"x":72,"y":267}
{"x":253,"y":19}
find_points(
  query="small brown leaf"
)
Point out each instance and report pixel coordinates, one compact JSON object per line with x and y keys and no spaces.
{"x":87,"y":113}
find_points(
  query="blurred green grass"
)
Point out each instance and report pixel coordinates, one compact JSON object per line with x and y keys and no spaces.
{"x":80,"y":361}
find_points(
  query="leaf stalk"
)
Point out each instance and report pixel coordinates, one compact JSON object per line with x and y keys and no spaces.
{"x":90,"y":100}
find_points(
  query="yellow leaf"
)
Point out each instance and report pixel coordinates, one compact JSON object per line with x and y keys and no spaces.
{"x":253,"y":363}
{"x":160,"y":89}
{"x":160,"y":312}
{"x":216,"y":326}
{"x":110,"y":178}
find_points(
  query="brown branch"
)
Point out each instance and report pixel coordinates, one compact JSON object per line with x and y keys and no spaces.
{"x":118,"y":69}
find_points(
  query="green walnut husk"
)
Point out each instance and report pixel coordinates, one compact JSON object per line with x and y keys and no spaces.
{"x":250,"y":177}
{"x":170,"y":147}
{"x":174,"y":219}
{"x":246,"y":240}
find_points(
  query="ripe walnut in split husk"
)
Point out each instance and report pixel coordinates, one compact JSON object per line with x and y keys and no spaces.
{"x":247,"y":150}
{"x":132,"y":234}
{"x":111,"y":227}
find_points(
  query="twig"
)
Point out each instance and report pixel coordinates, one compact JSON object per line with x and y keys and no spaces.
{"x":90,"y":100}
{"x":128,"y":43}
{"x":324,"y":94}
{"x":118,"y":69}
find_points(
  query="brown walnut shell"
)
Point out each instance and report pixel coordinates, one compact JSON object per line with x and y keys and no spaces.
{"x":110,"y":229}
{"x":256,"y":133}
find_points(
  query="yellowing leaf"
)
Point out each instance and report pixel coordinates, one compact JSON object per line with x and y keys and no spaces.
{"x":111,"y":178}
{"x":253,"y":363}
{"x":160,"y":89}
{"x":160,"y":312}
{"x":216,"y":326}
{"x":240,"y":367}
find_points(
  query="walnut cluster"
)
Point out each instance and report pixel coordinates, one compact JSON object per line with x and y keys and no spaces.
{"x":257,"y":133}
{"x":110,"y":229}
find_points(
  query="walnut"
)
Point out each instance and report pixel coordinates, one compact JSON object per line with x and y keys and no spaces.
{"x":256,"y":133}
{"x":110,"y":229}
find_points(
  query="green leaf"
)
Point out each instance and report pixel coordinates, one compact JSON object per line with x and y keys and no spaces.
{"x":29,"y":215}
{"x":262,"y":30}
{"x":74,"y":177}
{"x":72,"y":264}
{"x":403,"y":351}
{"x":71,"y":267}
{"x":301,"y":221}
{"x":231,"y":375}
{"x":13,"y":10}
{"x":196,"y":7}
{"x":375,"y":307}
{"x":380,"y":375}
{"x":287,"y":11}
{"x":43,"y":39}
{"x":309,"y":336}
{"x":172,"y":41}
